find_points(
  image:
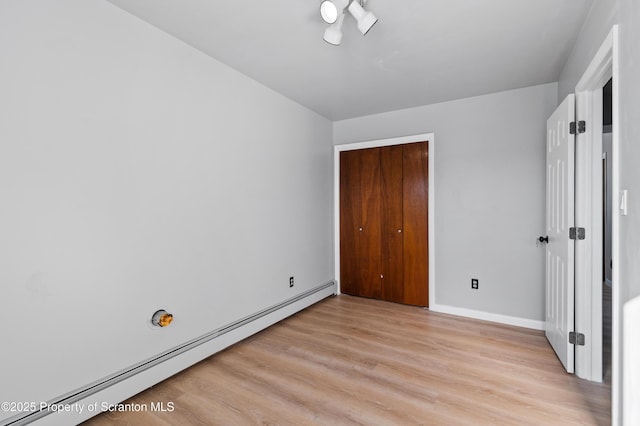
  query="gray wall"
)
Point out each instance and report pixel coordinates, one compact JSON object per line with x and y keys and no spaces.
{"x":630,"y":172}
{"x":489,"y":185}
{"x":630,"y":146}
{"x":136,"y":173}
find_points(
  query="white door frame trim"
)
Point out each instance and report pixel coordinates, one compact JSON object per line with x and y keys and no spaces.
{"x":589,"y":215}
{"x":431,"y":202}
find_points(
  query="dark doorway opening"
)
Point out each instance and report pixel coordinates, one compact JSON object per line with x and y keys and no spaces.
{"x":607,"y":201}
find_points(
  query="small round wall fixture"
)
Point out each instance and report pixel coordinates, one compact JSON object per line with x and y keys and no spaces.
{"x":161,"y":318}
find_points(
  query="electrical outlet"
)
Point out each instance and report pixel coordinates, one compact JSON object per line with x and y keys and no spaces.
{"x":474,"y":283}
{"x":290,"y":281}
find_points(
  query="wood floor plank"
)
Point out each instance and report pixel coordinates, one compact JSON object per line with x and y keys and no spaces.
{"x":349,"y":360}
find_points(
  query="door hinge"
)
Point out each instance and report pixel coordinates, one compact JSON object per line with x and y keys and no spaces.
{"x":581,"y":127}
{"x":577,"y":233}
{"x":576,"y":338}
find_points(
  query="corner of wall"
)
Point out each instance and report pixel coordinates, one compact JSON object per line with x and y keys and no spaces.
{"x":602,"y":15}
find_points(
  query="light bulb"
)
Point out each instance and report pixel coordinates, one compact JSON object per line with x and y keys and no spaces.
{"x":328,"y":11}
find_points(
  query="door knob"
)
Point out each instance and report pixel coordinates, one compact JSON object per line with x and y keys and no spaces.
{"x":544,"y":239}
{"x":360,"y":229}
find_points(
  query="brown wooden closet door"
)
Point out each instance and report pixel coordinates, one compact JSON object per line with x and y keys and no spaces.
{"x":415,"y":219}
{"x":360,"y":222}
{"x":392,"y":224}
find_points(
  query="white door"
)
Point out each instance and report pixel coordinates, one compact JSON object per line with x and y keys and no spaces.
{"x":560,"y":217}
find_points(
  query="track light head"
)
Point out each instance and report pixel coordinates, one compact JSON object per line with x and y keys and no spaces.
{"x":330,"y":10}
{"x":365,"y":19}
{"x":333,"y":34}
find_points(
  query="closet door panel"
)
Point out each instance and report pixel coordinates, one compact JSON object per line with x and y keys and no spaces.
{"x":360,"y":222}
{"x":350,"y":219}
{"x":392,"y":224}
{"x":369,"y":243}
{"x":415,"y":223}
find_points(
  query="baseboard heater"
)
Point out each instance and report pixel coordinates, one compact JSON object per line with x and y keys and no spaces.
{"x":82,"y":393}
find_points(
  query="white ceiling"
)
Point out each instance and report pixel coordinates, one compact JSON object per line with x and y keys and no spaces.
{"x":420,"y":52}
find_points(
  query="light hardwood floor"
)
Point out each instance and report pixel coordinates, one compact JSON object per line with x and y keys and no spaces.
{"x":349,"y":360}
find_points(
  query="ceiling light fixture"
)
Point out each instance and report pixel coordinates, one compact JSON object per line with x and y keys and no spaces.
{"x":333,"y":34}
{"x":332,"y":12}
{"x":329,"y":11}
{"x":365,"y":19}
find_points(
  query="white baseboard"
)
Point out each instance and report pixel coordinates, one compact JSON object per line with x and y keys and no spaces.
{"x":125,"y":389}
{"x":487,"y":316}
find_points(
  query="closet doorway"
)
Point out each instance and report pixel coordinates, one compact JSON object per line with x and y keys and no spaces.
{"x":384,"y":235}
